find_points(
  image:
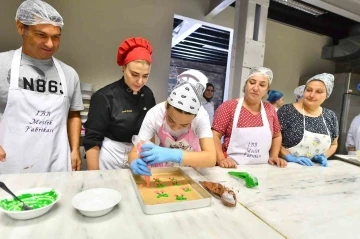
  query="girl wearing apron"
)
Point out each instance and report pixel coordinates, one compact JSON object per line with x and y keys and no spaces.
{"x":182,"y":126}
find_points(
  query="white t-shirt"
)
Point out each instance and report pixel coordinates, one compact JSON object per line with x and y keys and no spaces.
{"x":39,"y":76}
{"x":155,"y":116}
{"x":353,"y":137}
{"x":209,"y":107}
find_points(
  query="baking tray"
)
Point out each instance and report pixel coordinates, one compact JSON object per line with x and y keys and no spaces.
{"x":348,"y":158}
{"x":203,"y":200}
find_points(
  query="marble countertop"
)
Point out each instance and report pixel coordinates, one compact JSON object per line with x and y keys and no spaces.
{"x":127,"y":219}
{"x":300,"y":202}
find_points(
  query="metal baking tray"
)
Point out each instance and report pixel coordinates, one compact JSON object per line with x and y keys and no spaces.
{"x":203,"y":201}
{"x":348,"y":158}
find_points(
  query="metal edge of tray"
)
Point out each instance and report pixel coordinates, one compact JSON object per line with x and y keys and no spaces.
{"x":347,"y":159}
{"x":175,"y":206}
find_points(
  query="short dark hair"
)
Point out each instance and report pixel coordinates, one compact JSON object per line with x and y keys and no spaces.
{"x":209,"y":84}
{"x":178,"y":110}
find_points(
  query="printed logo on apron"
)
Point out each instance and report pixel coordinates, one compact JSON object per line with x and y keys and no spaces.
{"x":33,"y":129}
{"x":250,"y":145}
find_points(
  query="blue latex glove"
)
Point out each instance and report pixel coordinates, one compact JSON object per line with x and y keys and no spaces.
{"x":300,"y":160}
{"x":139,"y":167}
{"x":153,"y":154}
{"x":321,"y":159}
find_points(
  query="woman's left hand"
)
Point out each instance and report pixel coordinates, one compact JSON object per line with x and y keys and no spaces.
{"x":321,"y":159}
{"x":279,"y":162}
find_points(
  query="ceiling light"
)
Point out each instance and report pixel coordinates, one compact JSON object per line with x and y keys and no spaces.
{"x":301,"y":6}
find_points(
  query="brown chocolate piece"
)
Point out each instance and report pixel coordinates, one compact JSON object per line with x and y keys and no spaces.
{"x":222,"y":192}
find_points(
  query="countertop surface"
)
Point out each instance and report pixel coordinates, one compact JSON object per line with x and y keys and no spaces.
{"x":298,"y":201}
{"x":127,"y":219}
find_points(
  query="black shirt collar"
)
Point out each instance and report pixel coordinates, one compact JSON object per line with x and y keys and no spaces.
{"x":124,"y":86}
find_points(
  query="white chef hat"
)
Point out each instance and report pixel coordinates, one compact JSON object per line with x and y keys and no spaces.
{"x":187,"y":94}
{"x":261,"y":71}
{"x":34,"y":12}
{"x":327,"y":79}
{"x":299,"y":92}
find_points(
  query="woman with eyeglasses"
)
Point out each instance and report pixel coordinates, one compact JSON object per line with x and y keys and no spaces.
{"x":182,"y":126}
{"x":209,"y":105}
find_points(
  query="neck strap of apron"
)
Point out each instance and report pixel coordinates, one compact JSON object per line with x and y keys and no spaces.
{"x":322,"y":116}
{"x":15,"y":72}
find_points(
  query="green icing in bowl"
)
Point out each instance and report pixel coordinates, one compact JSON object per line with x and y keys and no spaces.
{"x":34,"y":200}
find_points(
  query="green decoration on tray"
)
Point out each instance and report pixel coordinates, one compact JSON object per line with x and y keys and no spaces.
{"x":187,"y":189}
{"x":250,"y":181}
{"x":180,"y":197}
{"x":175,"y":183}
{"x":161,"y":194}
{"x":157,"y":180}
{"x":160,"y":185}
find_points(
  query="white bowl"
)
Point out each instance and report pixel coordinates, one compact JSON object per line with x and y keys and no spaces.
{"x":96,"y":202}
{"x":24,"y":215}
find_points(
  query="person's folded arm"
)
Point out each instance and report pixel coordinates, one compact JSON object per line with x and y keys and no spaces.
{"x":153,"y":154}
{"x":218,"y":147}
{"x":205,"y":158}
{"x":283,"y":152}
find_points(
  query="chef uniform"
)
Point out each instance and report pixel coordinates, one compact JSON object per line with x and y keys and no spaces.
{"x":116,"y":114}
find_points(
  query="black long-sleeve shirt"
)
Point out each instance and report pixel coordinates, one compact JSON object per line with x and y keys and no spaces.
{"x":116,"y":113}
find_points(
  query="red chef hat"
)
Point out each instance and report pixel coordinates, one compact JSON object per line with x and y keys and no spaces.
{"x":132,"y":49}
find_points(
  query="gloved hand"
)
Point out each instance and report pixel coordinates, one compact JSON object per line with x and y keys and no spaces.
{"x":153,"y":154}
{"x":139,"y":167}
{"x":300,"y":160}
{"x":321,"y":159}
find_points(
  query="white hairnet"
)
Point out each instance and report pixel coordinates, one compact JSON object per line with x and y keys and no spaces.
{"x":34,"y":12}
{"x":261,"y":71}
{"x":327,"y":79}
{"x":299,"y":92}
{"x":193,"y":77}
{"x":187,"y":94}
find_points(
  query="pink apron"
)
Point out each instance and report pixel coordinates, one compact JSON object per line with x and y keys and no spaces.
{"x":187,"y":142}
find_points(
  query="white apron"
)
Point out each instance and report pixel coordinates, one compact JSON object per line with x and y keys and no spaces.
{"x":33,"y":129}
{"x":250,"y":145}
{"x":312,"y":143}
{"x":114,"y":154}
